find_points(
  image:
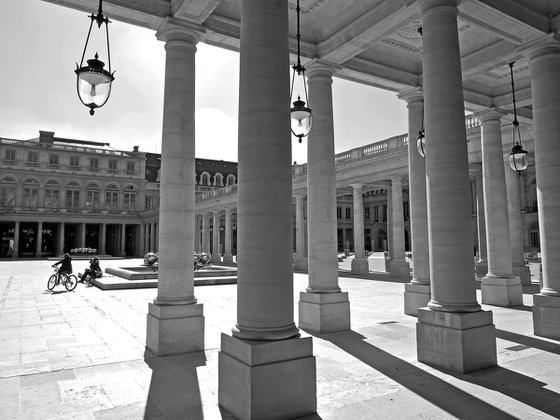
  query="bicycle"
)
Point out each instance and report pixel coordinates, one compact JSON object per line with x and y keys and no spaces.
{"x":70,"y":281}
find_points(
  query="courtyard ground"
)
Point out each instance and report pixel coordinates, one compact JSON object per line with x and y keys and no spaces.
{"x":80,"y":355}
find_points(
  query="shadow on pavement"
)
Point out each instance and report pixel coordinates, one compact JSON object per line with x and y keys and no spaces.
{"x":429,"y":387}
{"x":528,"y":341}
{"x":174,"y":392}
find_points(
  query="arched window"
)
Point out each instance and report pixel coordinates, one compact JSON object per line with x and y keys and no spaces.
{"x":204,"y":178}
{"x":130,"y":198}
{"x":534,"y":236}
{"x":218,"y":180}
{"x":230,"y":180}
{"x":73,"y":195}
{"x":30,"y":193}
{"x":111,"y":197}
{"x":92,"y":196}
{"x":7,"y":192}
{"x":52,"y":194}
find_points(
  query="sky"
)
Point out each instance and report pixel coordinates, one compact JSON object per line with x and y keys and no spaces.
{"x":41,"y":44}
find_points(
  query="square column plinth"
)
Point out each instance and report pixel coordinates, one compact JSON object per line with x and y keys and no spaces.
{"x":546,"y":316}
{"x":501,"y":291}
{"x":324,"y":312}
{"x":481,"y":269}
{"x":462,"y":342}
{"x":415,"y":296}
{"x":174,"y":329}
{"x":399,"y":269}
{"x":267,"y":379}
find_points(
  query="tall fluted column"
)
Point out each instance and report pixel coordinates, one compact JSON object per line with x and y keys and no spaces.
{"x":417,"y":292}
{"x":153,"y":237}
{"x":39,"y":244}
{"x":122,"y":251}
{"x":360,"y":263}
{"x":499,"y":286}
{"x":323,"y":307}
{"x":175,"y":321}
{"x":15,"y":253}
{"x":398,"y":266}
{"x":60,"y":239}
{"x":265,"y":346}
{"x":300,"y":262}
{"x":103,"y":239}
{"x":481,"y":265}
{"x":142,"y":240}
{"x":228,"y":257}
{"x":544,"y":66}
{"x":520,"y":269}
{"x":453,"y":316}
{"x":216,"y":257}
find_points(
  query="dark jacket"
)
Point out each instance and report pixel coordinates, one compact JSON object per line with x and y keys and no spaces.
{"x":65,"y":265}
{"x":95,"y":268}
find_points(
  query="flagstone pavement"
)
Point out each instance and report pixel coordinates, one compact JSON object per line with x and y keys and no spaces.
{"x":80,"y":355}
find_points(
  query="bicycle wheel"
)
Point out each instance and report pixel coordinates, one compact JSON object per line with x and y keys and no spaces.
{"x":71,"y":282}
{"x":52,"y":282}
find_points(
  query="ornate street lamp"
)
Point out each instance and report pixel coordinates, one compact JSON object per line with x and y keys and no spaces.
{"x":517,"y":156}
{"x":93,"y":82}
{"x":300,"y":113}
{"x":421,"y":140}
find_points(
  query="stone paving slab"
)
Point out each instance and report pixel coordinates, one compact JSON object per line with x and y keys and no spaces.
{"x":81,"y":355}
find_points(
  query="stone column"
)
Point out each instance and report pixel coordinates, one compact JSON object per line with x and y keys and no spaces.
{"x":544,"y":65}
{"x":481,"y":266}
{"x":360,"y":263}
{"x":265,"y":347}
{"x":389,"y":217}
{"x":499,"y":287}
{"x":15,"y":253}
{"x":216,"y":257}
{"x":82,"y":237}
{"x":175,"y":321}
{"x":142,"y":240}
{"x":102,"y":239}
{"x":453,"y":316}
{"x":300,"y":262}
{"x":417,"y":292}
{"x":152,"y":244}
{"x":398,"y":266}
{"x":205,"y":234}
{"x":122,"y":251}
{"x":323,"y":307}
{"x":198,"y":234}
{"x":39,"y":244}
{"x":520,"y":269}
{"x":60,"y":239}
{"x":228,"y":257}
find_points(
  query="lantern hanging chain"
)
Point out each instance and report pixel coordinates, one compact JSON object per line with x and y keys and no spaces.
{"x":298,"y":36}
{"x":108,"y":50}
{"x":87,"y":40}
{"x":422,"y":132}
{"x":515,"y":122}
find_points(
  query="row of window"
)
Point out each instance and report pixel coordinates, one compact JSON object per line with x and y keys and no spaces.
{"x":205,"y":179}
{"x":71,"y":193}
{"x":379,"y":213}
{"x":32,"y":160}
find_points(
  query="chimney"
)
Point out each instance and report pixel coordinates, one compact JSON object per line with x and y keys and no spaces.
{"x":46,"y":137}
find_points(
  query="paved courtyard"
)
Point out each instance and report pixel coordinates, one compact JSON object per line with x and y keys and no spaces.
{"x":81,"y":355}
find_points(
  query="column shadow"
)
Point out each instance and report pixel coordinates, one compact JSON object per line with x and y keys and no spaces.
{"x":528,"y":341}
{"x":444,"y":395}
{"x":174,"y":392}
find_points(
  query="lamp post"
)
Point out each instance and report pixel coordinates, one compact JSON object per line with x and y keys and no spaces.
{"x":517,"y":156}
{"x":301,"y":116}
{"x":93,"y":82}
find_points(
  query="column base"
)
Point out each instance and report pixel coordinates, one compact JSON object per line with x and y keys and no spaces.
{"x":215,"y":258}
{"x":300,"y":264}
{"x":399,"y":269}
{"x":481,"y":269}
{"x":174,"y":329}
{"x":324,"y":312}
{"x":501,"y":291}
{"x":359,"y":266}
{"x":415,"y":296}
{"x":228,"y":259}
{"x":286,"y":367}
{"x":524,"y":273}
{"x":546,"y":316}
{"x":463,"y":342}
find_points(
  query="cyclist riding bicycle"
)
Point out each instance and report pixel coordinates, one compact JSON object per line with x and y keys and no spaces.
{"x":65,"y":266}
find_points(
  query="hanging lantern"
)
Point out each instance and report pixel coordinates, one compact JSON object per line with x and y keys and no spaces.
{"x":93,"y":82}
{"x":301,"y":116}
{"x":518,"y":156}
{"x":421,"y":142}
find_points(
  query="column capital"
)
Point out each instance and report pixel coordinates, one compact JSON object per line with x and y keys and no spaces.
{"x":427,"y":6}
{"x":411,"y":95}
{"x":317,"y":67}
{"x":174,"y":30}
{"x":544,"y":45}
{"x":396,"y":178}
{"x":356,"y":186}
{"x":490,"y":114}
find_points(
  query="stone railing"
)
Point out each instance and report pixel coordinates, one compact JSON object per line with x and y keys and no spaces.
{"x":219,"y":192}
